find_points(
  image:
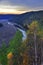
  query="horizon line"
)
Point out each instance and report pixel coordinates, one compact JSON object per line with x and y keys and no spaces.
{"x":19,"y":13}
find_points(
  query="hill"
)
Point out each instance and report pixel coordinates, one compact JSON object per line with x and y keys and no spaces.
{"x":28,"y":17}
{"x":25,"y":18}
{"x":7,"y":31}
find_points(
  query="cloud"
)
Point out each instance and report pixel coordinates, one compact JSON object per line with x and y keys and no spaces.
{"x":30,"y":3}
{"x":5,"y":2}
{"x":12,"y":4}
{"x":21,"y":5}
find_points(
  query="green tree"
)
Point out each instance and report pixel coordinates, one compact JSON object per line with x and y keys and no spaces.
{"x":15,"y":43}
{"x":15,"y":46}
{"x":3,"y":53}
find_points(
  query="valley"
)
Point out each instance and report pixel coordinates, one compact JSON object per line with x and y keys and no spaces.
{"x":21,"y":38}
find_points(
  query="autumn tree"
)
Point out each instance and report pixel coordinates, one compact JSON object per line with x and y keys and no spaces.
{"x":40,"y":33}
{"x":33,"y":29}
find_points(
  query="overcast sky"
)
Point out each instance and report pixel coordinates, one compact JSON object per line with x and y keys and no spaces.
{"x":20,"y":6}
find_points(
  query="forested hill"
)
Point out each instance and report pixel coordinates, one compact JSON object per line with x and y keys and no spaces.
{"x":24,"y":18}
{"x":28,"y":17}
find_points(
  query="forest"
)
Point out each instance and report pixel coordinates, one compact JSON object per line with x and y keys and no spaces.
{"x":24,"y":52}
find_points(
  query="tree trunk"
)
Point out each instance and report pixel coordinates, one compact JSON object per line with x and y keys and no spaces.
{"x":41,"y":52}
{"x":35,"y":48}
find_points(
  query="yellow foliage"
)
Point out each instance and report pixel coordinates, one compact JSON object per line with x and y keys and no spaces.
{"x":10,"y":55}
{"x":33,"y":26}
{"x":40,"y":32}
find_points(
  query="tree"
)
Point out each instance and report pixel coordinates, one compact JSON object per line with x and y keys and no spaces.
{"x":33,"y":29}
{"x":40,"y":35}
{"x":41,"y":41}
{"x":13,"y":50}
{"x":3,"y":53}
{"x":15,"y":45}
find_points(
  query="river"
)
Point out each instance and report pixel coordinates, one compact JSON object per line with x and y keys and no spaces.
{"x":23,"y":33}
{"x":21,"y":30}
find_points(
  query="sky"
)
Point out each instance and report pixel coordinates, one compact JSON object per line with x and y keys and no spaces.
{"x":20,"y":6}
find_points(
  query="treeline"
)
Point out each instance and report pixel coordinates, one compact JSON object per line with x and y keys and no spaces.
{"x":27,"y":52}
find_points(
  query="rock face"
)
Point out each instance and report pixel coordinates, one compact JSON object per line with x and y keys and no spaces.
{"x":7,"y":32}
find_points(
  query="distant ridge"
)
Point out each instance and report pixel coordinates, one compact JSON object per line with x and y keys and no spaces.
{"x":25,"y":18}
{"x":28,"y":17}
